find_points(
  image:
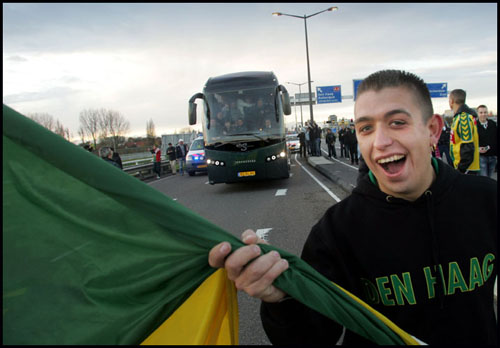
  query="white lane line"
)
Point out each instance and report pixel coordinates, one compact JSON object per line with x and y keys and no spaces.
{"x":291,"y":174}
{"x":281,"y":192}
{"x":175,"y":199}
{"x":263,"y":233}
{"x":319,"y":182}
{"x":353,"y":167}
{"x":207,"y":182}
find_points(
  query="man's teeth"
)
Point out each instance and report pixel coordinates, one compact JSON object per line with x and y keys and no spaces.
{"x":390,"y":159}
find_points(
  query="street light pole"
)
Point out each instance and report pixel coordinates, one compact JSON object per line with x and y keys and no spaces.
{"x":308,"y":73}
{"x":300,"y":93}
{"x":307,"y":49}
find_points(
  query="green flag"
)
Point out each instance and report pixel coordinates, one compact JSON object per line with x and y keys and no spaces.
{"x":91,"y":255}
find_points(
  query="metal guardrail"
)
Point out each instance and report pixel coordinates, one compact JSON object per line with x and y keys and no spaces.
{"x":145,"y":171}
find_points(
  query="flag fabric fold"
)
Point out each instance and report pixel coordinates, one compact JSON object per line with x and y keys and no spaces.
{"x":91,"y":255}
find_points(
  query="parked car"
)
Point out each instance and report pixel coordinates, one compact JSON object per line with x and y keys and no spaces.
{"x":195,"y":159}
{"x":293,"y":142}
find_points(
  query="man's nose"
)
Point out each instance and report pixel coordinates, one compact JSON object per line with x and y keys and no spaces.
{"x":382,"y":138}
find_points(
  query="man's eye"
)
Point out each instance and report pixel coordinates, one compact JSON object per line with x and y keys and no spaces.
{"x":398,"y":123}
{"x":364,"y":129}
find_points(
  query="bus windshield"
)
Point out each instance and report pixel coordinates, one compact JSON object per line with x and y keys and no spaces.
{"x":244,"y":114}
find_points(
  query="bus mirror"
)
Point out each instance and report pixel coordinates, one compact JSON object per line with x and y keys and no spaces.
{"x":192,"y":108}
{"x":287,"y":109}
{"x":192,"y":113}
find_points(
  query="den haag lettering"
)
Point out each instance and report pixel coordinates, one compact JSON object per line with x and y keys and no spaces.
{"x":397,"y":290}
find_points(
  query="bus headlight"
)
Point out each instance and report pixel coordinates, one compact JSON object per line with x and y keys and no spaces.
{"x":209,"y":161}
{"x":282,"y":154}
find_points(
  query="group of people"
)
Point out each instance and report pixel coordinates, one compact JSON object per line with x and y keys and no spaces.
{"x":239,"y":116}
{"x":392,"y":242}
{"x":174,"y":154}
{"x":310,"y":140}
{"x":109,"y":155}
{"x":349,"y":143}
{"x":470,"y":144}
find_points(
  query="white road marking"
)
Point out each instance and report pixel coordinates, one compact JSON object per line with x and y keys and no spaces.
{"x":207,"y":182}
{"x":263,"y":233}
{"x":175,"y":199}
{"x":353,"y":167}
{"x":281,"y":192}
{"x":319,"y":182}
{"x":291,"y":174}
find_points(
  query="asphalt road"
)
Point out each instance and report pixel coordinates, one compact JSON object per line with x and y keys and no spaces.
{"x":283,"y":211}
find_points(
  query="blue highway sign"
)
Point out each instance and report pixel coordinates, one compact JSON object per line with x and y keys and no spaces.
{"x":328,"y":94}
{"x":355,"y":87}
{"x":438,"y":90}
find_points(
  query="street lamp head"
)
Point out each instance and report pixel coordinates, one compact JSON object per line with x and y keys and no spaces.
{"x":334,"y":8}
{"x":277,"y":14}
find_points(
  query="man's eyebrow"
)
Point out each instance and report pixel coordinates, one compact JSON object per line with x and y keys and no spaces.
{"x":387,"y":115}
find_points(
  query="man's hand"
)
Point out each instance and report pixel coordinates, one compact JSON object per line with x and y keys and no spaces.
{"x":251,"y":272}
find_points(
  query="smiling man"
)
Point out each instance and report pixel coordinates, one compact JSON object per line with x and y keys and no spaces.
{"x":416,"y":239}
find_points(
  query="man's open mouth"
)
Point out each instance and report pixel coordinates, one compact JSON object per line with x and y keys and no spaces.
{"x":393,"y":164}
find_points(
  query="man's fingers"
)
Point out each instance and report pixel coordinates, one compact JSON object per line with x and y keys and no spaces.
{"x":218,"y":254}
{"x":239,"y":258}
{"x":250,"y":237}
{"x":261,"y":273}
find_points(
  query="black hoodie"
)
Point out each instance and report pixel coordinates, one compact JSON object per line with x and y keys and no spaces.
{"x":383,"y":250}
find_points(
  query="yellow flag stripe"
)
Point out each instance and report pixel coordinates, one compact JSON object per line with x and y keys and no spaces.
{"x":408,"y":339}
{"x":208,"y":317}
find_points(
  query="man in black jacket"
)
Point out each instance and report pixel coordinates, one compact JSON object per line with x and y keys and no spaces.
{"x":487,"y":131}
{"x":352,"y":143}
{"x":416,"y":239}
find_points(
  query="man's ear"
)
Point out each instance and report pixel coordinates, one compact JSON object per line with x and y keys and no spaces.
{"x":435,"y":126}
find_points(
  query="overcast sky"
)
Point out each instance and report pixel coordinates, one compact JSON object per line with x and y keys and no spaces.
{"x":147,"y":60}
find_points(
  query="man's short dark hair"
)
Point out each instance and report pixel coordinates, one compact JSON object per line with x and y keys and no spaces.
{"x":458,"y":96}
{"x":396,"y":78}
{"x":482,"y":106}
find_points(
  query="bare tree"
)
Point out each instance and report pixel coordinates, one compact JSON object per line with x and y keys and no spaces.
{"x":81,"y":133}
{"x":104,"y":124}
{"x":89,"y":120}
{"x":150,"y":131}
{"x":118,"y":126}
{"x":59,"y":129}
{"x":44,"y":119}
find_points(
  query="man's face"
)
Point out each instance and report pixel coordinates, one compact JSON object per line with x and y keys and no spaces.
{"x":395,"y":142}
{"x":450,"y":101}
{"x":482,"y":113}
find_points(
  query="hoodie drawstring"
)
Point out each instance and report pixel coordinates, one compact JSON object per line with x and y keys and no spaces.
{"x":435,"y":249}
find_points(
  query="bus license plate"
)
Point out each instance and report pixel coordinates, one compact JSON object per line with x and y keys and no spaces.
{"x":252,"y":173}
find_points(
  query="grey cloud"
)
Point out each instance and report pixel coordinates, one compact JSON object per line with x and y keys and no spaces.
{"x":55,"y":92}
{"x":17,"y":59}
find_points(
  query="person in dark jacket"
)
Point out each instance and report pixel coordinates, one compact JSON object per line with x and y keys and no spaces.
{"x":107,"y":155}
{"x":172,"y":157}
{"x":181,"y":151}
{"x":344,"y":152}
{"x":444,"y":143}
{"x":391,"y":242}
{"x":352,"y":143}
{"x":487,"y":131}
{"x":330,"y":142}
{"x":303,"y":146}
{"x":116,"y":157}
